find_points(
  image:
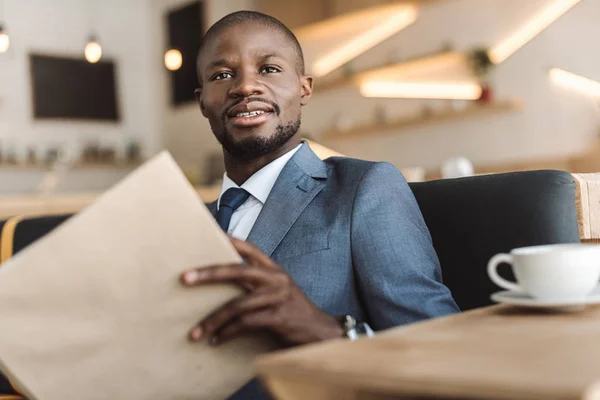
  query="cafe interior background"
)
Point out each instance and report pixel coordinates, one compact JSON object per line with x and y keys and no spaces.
{"x":89,"y":89}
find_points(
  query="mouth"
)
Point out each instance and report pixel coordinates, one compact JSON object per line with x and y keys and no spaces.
{"x":252,"y":118}
{"x":250,"y":114}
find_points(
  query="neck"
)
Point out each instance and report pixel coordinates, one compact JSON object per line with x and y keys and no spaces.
{"x":240,"y":170}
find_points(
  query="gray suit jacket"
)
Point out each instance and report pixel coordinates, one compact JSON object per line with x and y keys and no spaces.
{"x":351,"y":235}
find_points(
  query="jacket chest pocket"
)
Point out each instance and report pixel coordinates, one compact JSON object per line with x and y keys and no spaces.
{"x":294,"y":246}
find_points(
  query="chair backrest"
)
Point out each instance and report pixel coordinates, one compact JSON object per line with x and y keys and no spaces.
{"x":471,"y":219}
{"x":17,"y":233}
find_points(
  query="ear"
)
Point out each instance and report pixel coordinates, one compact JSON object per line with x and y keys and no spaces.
{"x":198,"y":94}
{"x":307,"y":89}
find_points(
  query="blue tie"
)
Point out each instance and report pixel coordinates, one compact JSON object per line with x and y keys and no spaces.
{"x":230,"y":201}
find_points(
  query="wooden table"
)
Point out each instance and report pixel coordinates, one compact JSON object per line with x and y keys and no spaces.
{"x":498,"y":352}
{"x":68,"y":203}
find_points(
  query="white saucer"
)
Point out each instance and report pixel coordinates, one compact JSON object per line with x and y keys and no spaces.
{"x":521,"y":299}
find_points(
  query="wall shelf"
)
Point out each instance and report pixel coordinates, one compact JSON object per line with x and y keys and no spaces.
{"x":428,"y":64}
{"x":436,"y":117}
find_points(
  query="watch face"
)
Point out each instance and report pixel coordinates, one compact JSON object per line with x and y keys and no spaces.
{"x":354,"y":329}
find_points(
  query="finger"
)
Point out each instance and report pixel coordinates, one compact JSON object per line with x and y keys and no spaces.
{"x":242,"y":274}
{"x":233,"y":310}
{"x":259,"y":320}
{"x":252,"y":254}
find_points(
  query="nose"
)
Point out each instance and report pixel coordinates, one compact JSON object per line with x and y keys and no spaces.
{"x":246,"y":84}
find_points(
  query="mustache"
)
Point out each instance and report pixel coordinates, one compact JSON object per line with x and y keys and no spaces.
{"x":276,"y":108}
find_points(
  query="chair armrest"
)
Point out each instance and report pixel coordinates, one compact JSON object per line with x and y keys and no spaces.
{"x":587,"y":202}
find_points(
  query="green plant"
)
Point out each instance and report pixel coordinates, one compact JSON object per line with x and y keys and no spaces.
{"x":480,"y":62}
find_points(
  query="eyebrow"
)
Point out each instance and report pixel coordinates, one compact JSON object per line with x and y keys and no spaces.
{"x":224,"y":63}
{"x":265,"y":57}
{"x":219,"y":63}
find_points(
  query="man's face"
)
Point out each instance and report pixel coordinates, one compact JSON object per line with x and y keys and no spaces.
{"x":252,"y":92}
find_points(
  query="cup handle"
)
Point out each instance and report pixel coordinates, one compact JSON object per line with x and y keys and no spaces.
{"x":497,"y":279}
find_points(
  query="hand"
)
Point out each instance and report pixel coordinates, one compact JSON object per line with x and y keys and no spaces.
{"x":272,"y":302}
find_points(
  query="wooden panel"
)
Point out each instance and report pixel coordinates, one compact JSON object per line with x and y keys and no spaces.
{"x":582,"y":206}
{"x":588,"y":204}
{"x":343,"y":6}
{"x":295,"y":14}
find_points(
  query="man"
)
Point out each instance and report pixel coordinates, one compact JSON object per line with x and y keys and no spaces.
{"x":321,"y":239}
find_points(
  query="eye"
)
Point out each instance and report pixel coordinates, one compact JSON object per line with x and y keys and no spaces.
{"x":221,"y":76}
{"x":269,"y":70}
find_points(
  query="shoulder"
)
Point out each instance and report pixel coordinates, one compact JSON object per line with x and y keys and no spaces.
{"x":371,"y":185}
{"x":356,"y":171}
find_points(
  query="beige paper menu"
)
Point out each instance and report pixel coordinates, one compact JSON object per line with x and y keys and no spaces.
{"x":95,"y":310}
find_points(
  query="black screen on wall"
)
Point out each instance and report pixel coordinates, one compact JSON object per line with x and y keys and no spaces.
{"x":72,"y":88}
{"x":186,"y":28}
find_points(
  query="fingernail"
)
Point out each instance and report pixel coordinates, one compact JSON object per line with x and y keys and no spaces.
{"x":196,"y":333}
{"x":190,"y":277}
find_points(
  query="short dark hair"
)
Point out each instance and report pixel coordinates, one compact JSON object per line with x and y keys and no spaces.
{"x":241,"y":17}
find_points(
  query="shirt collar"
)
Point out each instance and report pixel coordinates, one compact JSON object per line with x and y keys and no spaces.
{"x":261,"y":183}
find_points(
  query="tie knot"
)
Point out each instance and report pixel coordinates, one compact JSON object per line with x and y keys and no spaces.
{"x":233,"y":198}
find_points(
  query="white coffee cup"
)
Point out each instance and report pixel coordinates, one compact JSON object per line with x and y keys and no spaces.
{"x":551,"y":272}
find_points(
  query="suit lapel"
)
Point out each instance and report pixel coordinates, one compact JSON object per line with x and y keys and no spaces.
{"x":212,"y":207}
{"x":300,"y":181}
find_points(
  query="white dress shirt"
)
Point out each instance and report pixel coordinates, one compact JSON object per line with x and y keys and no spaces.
{"x":259,"y":186}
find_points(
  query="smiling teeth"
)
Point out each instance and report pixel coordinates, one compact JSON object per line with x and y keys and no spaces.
{"x":250,"y":114}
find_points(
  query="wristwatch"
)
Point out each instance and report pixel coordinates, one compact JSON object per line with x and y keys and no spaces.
{"x":353,"y":328}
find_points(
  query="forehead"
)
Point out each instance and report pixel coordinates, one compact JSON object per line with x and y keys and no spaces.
{"x":248,"y":41}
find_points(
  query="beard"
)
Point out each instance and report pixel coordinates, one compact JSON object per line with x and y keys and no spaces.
{"x":252,"y":148}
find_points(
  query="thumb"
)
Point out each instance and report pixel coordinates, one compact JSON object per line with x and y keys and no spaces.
{"x":252,"y":254}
